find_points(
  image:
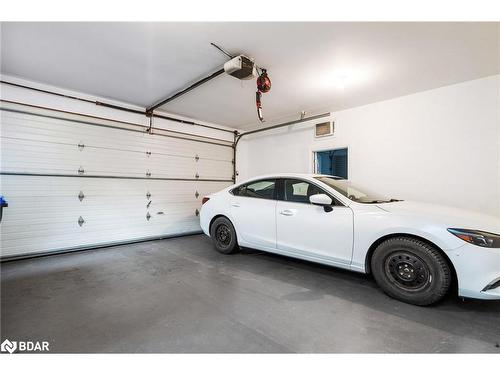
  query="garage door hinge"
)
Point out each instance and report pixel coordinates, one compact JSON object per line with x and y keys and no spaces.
{"x":81,"y":146}
{"x":148,"y":153}
{"x":81,"y":196}
{"x":148,"y":195}
{"x":150,"y":129}
{"x":197,"y":212}
{"x":81,"y":170}
{"x":148,"y":174}
{"x":148,"y":216}
{"x":80,"y":221}
{"x":196,"y":158}
{"x":196,"y":194}
{"x":197,"y":175}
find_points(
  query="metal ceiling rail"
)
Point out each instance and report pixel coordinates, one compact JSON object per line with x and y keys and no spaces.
{"x":194,"y":85}
{"x":48,"y":92}
{"x":114,"y":106}
{"x":305,"y":119}
{"x":156,"y":115}
{"x":162,"y":102}
{"x":238,"y":136}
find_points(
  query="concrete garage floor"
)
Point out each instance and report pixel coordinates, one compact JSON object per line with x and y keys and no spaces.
{"x":179,"y":295}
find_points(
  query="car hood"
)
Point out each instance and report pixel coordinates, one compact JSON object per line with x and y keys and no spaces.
{"x":448,"y":216}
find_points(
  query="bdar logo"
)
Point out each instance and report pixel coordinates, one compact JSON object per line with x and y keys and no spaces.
{"x":8,"y":346}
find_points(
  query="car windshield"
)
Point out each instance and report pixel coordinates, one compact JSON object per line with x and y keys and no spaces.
{"x":354,"y":193}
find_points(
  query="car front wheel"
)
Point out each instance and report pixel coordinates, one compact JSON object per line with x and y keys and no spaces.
{"x":223,"y":236}
{"x":411,"y":270}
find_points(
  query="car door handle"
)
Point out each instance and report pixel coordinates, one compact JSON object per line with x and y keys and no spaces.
{"x":287,"y":213}
{"x":235,"y":204}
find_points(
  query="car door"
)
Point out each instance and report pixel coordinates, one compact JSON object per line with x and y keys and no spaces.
{"x":253,"y":208}
{"x":307,"y":229}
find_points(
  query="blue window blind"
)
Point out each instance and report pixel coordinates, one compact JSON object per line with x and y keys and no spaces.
{"x":333,"y":162}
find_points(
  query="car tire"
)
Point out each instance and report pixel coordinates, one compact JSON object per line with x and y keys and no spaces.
{"x":224,"y":236}
{"x":411,"y":270}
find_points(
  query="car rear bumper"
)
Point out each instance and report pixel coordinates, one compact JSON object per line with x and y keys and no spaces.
{"x":478,"y":271}
{"x":204,"y":222}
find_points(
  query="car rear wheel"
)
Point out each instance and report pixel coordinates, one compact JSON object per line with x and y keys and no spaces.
{"x":411,"y":270}
{"x":223,"y":236}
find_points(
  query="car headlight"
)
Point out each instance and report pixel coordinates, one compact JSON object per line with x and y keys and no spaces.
{"x":477,"y":237}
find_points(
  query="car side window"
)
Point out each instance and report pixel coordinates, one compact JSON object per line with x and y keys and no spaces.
{"x":299,"y":191}
{"x":263,"y":189}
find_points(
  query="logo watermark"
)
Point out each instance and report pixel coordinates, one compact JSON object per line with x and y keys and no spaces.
{"x":8,"y":346}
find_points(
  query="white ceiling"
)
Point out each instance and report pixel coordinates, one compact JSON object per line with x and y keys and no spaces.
{"x":313,"y":66}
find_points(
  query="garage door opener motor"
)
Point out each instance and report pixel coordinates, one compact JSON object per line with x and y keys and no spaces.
{"x":244,"y":68}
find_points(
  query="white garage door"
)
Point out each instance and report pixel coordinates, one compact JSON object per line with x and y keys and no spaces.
{"x":73,"y":181}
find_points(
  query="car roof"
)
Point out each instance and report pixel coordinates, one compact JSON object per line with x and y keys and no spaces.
{"x":293,"y":175}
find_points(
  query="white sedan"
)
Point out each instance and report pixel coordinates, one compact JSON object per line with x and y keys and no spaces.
{"x":414,"y":250}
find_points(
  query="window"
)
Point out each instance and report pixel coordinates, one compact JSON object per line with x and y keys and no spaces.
{"x":300,"y":191}
{"x":332,"y":162}
{"x":259,"y":189}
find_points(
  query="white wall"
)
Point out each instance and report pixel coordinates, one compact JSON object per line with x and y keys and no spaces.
{"x":438,"y":146}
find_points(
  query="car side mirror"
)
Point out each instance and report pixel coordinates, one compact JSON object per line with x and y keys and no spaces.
{"x":322,"y":200}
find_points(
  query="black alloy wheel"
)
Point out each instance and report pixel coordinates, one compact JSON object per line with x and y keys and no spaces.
{"x":411,"y":270}
{"x":407,"y":270}
{"x":223,"y":235}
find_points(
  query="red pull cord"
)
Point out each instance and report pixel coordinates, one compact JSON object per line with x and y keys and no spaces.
{"x":258,"y":95}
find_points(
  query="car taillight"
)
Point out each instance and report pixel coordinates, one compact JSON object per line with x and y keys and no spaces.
{"x":205,"y":200}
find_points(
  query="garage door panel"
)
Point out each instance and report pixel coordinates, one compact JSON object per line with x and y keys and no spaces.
{"x":133,"y":141}
{"x":57,"y":134}
{"x":28,"y":157}
{"x":216,"y":169}
{"x":64,"y":160}
{"x":99,"y":137}
{"x":129,"y":188}
{"x":99,"y":227}
{"x":54,"y":129}
{"x":58,"y":158}
{"x":111,"y":235}
{"x":64,"y":224}
{"x":43,"y":211}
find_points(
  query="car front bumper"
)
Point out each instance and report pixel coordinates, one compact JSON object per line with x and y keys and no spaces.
{"x":478,"y":271}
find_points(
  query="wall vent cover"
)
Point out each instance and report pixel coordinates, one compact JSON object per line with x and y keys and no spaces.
{"x":324,"y":129}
